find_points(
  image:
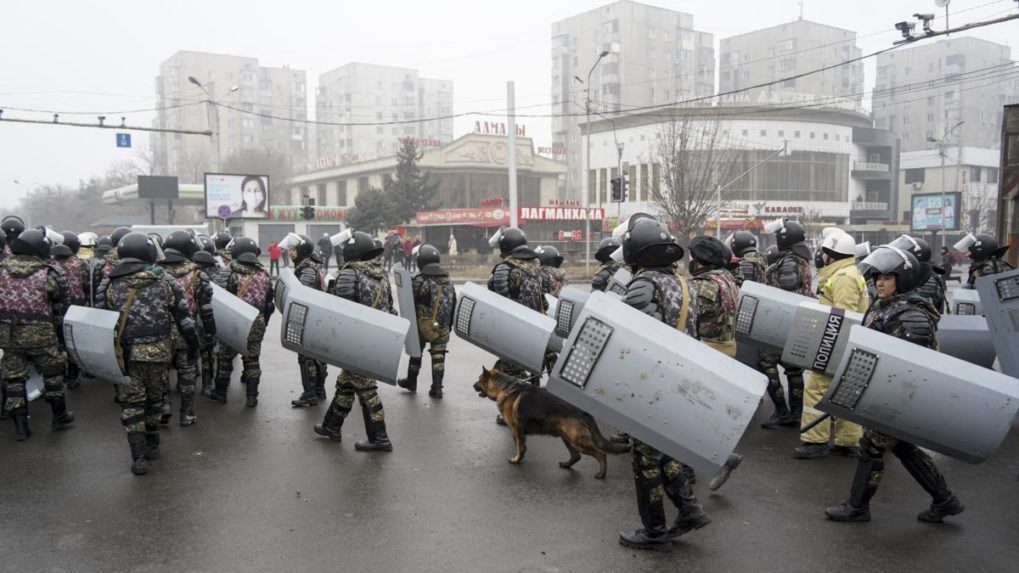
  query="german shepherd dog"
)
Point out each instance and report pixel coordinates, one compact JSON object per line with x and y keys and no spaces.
{"x":529,"y":409}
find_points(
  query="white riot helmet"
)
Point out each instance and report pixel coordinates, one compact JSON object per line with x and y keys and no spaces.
{"x":840,"y":242}
{"x":87,"y":239}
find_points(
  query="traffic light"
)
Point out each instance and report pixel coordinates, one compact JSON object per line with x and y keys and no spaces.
{"x":617,"y":189}
{"x":308,"y":213}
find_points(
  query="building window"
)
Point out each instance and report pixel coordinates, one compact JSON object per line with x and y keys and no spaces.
{"x":786,"y":64}
{"x":812,"y":135}
{"x":796,"y":134}
{"x":781,"y":133}
{"x":974,"y":174}
{"x":764,"y":133}
{"x":341,"y":193}
{"x":787,"y":45}
{"x":915,"y":175}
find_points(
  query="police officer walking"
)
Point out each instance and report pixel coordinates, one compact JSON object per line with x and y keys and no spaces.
{"x":65,"y":256}
{"x":553,"y":278}
{"x":309,"y":273}
{"x":222,"y":241}
{"x":150,"y":303}
{"x":752,"y":265}
{"x":361,"y":279}
{"x":434,"y":305}
{"x":205,"y":259}
{"x":247,"y":279}
{"x":901,"y":313}
{"x":31,"y":328}
{"x":517,"y":277}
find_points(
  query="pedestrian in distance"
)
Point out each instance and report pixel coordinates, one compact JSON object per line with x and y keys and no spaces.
{"x":274,"y":258}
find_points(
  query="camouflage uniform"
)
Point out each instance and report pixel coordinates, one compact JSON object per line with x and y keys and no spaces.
{"x":717,"y":302}
{"x":207,"y":348}
{"x":363,"y":282}
{"x":553,"y":280}
{"x":313,"y":373}
{"x":196,"y":287}
{"x":518,"y":278}
{"x":76,"y":275}
{"x":991,"y":266}
{"x":250,"y":283}
{"x":790,"y":273}
{"x":601,"y":278}
{"x":434,"y":305}
{"x":658,"y":293}
{"x":31,"y":323}
{"x":933,"y":291}
{"x":752,"y":267}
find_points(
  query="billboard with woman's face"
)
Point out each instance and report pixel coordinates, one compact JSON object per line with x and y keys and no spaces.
{"x":236,"y":196}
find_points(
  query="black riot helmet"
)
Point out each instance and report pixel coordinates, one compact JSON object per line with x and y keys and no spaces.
{"x":427,"y":255}
{"x":358,"y":247}
{"x":72,"y":242}
{"x":137,"y":246}
{"x":709,"y":251}
{"x":182,"y":242}
{"x":207,"y":245}
{"x":788,"y":233}
{"x":985,"y":247}
{"x":918,"y":247}
{"x":377,"y":249}
{"x":511,"y":239}
{"x":606,"y":247}
{"x":221,"y":239}
{"x":772,"y":255}
{"x":889,"y":260}
{"x":549,"y":257}
{"x":3,"y":243}
{"x":245,"y":250}
{"x":204,"y":258}
{"x":12,"y":227}
{"x":649,"y":244}
{"x":118,"y":234}
{"x":743,"y":241}
{"x":32,"y":243}
{"x":303,"y":246}
{"x":104,"y":245}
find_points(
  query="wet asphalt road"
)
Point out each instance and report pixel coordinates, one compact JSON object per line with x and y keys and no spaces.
{"x":255,"y":490}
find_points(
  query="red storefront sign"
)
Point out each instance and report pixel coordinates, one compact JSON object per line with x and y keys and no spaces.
{"x":560,"y":214}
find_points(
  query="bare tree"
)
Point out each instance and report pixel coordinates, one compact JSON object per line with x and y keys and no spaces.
{"x":980,"y":202}
{"x":695,"y":156}
{"x":193,"y":166}
{"x":262,"y":161}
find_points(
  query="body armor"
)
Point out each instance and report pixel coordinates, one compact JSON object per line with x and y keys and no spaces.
{"x":791,"y":273}
{"x":76,"y":276}
{"x":519,"y":279}
{"x":658,"y":293}
{"x":552,"y":280}
{"x":601,"y":279}
{"x":717,"y":301}
{"x":752,"y":267}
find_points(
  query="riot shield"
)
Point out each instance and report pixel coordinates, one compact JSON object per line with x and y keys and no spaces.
{"x":619,"y":280}
{"x":90,"y":335}
{"x":570,"y":304}
{"x":818,"y":337}
{"x":966,"y":301}
{"x":555,"y":342}
{"x":234,"y":318}
{"x":34,"y":386}
{"x":922,"y":396}
{"x":1000,"y":296}
{"x":765,"y":315}
{"x":405,"y":298}
{"x":352,"y":336}
{"x":656,"y":383}
{"x":505,"y":328}
{"x":967,"y":338}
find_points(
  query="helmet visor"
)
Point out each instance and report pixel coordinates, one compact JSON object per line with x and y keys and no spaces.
{"x":883,"y":260}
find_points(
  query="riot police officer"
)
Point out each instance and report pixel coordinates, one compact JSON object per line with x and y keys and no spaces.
{"x":308,"y":271}
{"x":206,"y":261}
{"x":222,"y":241}
{"x":659,"y":292}
{"x":608,"y":267}
{"x":247,"y":279}
{"x":150,"y":303}
{"x":434,"y":305}
{"x":361,"y":279}
{"x":75,"y":272}
{"x":553,"y":278}
{"x":12,"y":226}
{"x":113,"y":256}
{"x":986,"y":255}
{"x":752,"y":265}
{"x":31,"y":328}
{"x":900,"y":312}
{"x":196,"y":286}
{"x":517,"y":277}
{"x":791,"y":272}
{"x":933,"y":287}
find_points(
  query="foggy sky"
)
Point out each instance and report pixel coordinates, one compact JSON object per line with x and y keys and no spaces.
{"x":77,"y":56}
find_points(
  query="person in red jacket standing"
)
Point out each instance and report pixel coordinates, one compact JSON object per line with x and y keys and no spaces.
{"x":274,"y":258}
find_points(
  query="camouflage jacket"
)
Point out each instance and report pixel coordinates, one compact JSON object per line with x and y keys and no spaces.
{"x":991,"y":266}
{"x":33,"y":302}
{"x":196,"y":285}
{"x":434,"y":298}
{"x":907,"y":316}
{"x":933,"y":291}
{"x":791,"y":273}
{"x":251,"y":284}
{"x":310,"y":274}
{"x":717,"y":302}
{"x":553,"y":280}
{"x":365,"y":282}
{"x":110,"y":262}
{"x":76,"y":275}
{"x":601,"y":278}
{"x":94,"y":274}
{"x":657,"y":292}
{"x":752,"y":267}
{"x":519,"y":279}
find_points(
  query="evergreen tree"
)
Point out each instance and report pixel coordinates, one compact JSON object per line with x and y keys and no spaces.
{"x":411,"y":190}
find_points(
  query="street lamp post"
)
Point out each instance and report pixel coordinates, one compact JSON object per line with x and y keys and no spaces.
{"x":28,"y":216}
{"x":213,"y":119}
{"x":587,"y":167}
{"x":941,"y":143}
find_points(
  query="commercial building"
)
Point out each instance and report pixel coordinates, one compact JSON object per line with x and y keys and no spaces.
{"x":366,"y":93}
{"x":655,"y":57}
{"x":244,"y":121}
{"x":1008,"y":189}
{"x":784,"y":51}
{"x":924,"y":90}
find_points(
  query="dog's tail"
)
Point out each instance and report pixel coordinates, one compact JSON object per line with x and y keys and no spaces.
{"x":608,"y":446}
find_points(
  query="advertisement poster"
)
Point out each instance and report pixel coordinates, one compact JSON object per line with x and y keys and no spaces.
{"x":927,"y":212}
{"x":236,"y":196}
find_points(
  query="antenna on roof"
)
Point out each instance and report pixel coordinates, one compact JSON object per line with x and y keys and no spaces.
{"x":801,"y":9}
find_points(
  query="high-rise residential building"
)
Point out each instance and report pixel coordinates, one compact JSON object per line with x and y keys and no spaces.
{"x":245,"y":116}
{"x":655,"y":57}
{"x":406,"y":104}
{"x":926,"y":90}
{"x":783,"y":51}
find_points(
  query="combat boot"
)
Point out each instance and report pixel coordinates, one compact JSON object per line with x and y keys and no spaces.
{"x":251,"y":390}
{"x":207,"y":383}
{"x":152,"y":442}
{"x":308,"y":396}
{"x":847,"y":512}
{"x":781,"y":413}
{"x":320,"y":383}
{"x":378,"y":440}
{"x":795,"y":401}
{"x":654,"y":535}
{"x":166,"y":409}
{"x":869,"y":470}
{"x":810,"y":450}
{"x":723,"y":474}
{"x":219,"y":391}
{"x":410,"y":383}
{"x":21,"y":429}
{"x":62,"y":418}
{"x":330,"y":426}
{"x":691,"y":512}
{"x":938,"y":511}
{"x":436,"y":390}
{"x":138,"y":452}
{"x":187,"y":411}
{"x":926,"y":473}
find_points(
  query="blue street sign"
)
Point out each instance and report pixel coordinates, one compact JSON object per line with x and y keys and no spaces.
{"x":123,"y":140}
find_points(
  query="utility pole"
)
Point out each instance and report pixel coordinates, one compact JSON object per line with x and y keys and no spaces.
{"x":585,"y":192}
{"x":212,"y":110}
{"x":511,"y":127}
{"x":622,"y":179}
{"x":942,"y":144}
{"x":719,"y":187}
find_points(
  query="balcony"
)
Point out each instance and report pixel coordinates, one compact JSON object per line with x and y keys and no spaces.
{"x":868,"y":166}
{"x":869,"y":206}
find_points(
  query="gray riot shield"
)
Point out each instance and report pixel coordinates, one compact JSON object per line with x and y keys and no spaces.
{"x":619,"y":280}
{"x":505,"y":328}
{"x":405,"y":298}
{"x":765,"y":316}
{"x":1000,"y":295}
{"x":555,"y":342}
{"x":34,"y":386}
{"x":966,"y":301}
{"x":91,"y":338}
{"x":818,"y":337}
{"x":568,"y":308}
{"x":352,"y":336}
{"x":656,"y":383}
{"x":234,"y":318}
{"x":922,"y":396}
{"x":967,"y":338}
